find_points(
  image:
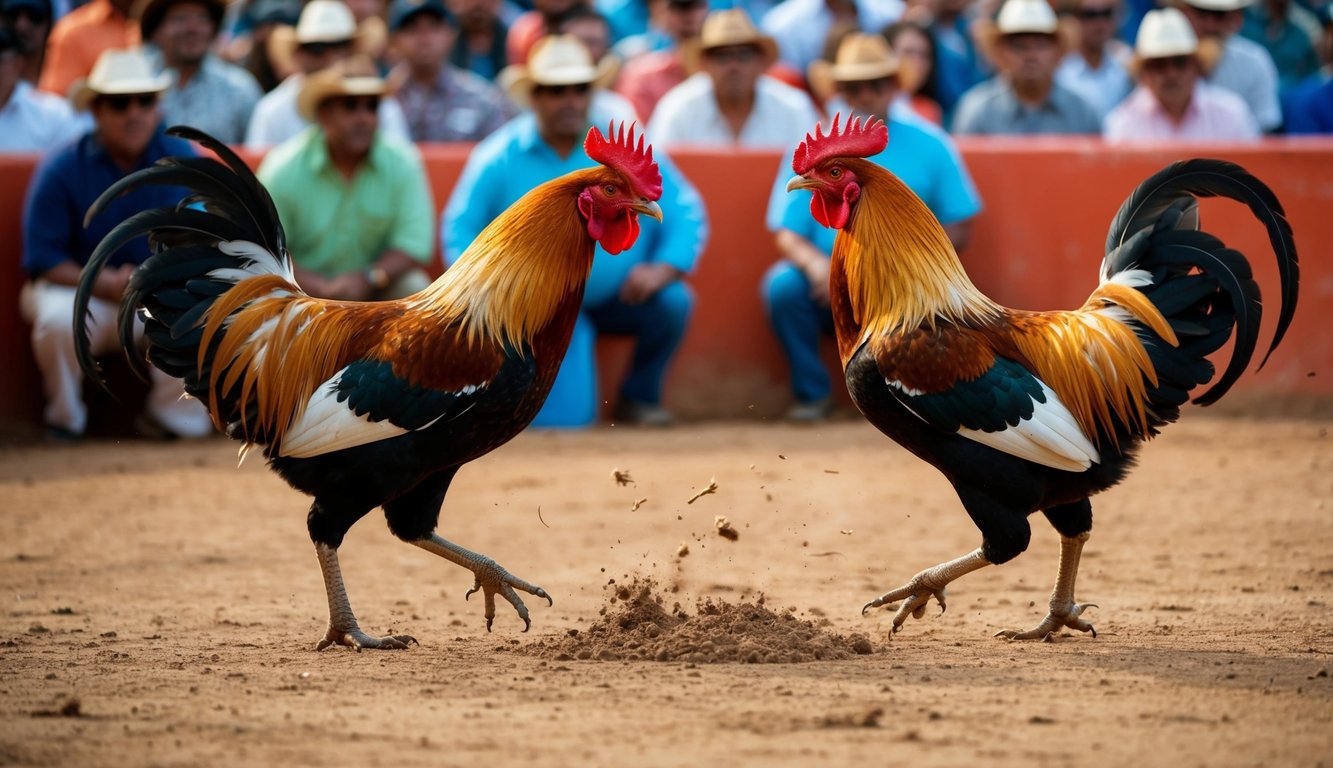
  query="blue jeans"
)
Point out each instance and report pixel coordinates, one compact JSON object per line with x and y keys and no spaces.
{"x":658,"y":326}
{"x":798,"y":322}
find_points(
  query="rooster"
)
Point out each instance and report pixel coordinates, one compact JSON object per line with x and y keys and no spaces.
{"x":377,"y":404}
{"x":1032,"y":411}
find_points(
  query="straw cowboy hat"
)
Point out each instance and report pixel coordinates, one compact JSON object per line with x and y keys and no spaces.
{"x":556,"y":60}
{"x":117,"y":72}
{"x":1023,"y":17}
{"x":150,"y":14}
{"x":324,"y":21}
{"x":355,"y":76}
{"x":860,"y":56}
{"x":1165,"y":33}
{"x":725,"y":28}
{"x":1218,"y":5}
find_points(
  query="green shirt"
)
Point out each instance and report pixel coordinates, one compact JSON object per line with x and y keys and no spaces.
{"x":335,"y":226}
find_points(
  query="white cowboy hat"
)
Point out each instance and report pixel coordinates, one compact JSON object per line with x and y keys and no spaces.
{"x":355,"y":76}
{"x":556,"y":60}
{"x":1018,"y":17}
{"x":860,"y":56}
{"x":118,"y":71}
{"x":1218,"y":5}
{"x":1165,"y":33}
{"x":723,"y":28}
{"x":324,"y":21}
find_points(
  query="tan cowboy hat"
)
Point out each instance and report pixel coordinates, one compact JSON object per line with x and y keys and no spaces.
{"x":860,"y":56}
{"x":556,"y":60}
{"x":324,"y":21}
{"x":724,"y":28}
{"x":118,"y":71}
{"x":356,"y":76}
{"x":1023,"y":17}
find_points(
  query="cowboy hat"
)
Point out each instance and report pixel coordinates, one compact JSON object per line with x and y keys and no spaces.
{"x":324,"y":21}
{"x":726,"y":28}
{"x":117,"y":72}
{"x":556,"y":60}
{"x":150,"y":14}
{"x":355,"y":76}
{"x":1165,"y":33}
{"x":1218,"y":5}
{"x":860,"y":56}
{"x":1023,"y":17}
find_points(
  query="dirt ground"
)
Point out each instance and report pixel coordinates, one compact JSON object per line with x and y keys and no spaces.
{"x":161,"y":607}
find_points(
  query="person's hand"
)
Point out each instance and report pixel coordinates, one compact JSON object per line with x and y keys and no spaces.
{"x":111,"y":283}
{"x":817,"y":273}
{"x":350,"y":286}
{"x":645,"y":280}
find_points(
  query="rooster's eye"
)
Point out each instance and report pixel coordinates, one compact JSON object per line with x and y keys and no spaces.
{"x":610,"y":190}
{"x":835,"y":172}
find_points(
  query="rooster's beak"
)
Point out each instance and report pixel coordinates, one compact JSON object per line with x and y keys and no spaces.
{"x":648,"y":208}
{"x":801,"y":182}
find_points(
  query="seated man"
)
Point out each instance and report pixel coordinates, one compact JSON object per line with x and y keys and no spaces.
{"x":121,"y":94}
{"x":638,"y":292}
{"x":796,"y":290}
{"x":354,"y":201}
{"x":30,"y":120}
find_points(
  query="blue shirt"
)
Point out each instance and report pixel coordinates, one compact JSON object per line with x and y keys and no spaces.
{"x":67,"y":182}
{"x":513,"y":160}
{"x":921,"y":155}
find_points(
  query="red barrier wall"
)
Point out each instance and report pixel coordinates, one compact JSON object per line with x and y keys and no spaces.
{"x":1037,"y":245}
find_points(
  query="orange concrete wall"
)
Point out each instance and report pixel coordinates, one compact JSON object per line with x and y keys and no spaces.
{"x":1037,"y":245}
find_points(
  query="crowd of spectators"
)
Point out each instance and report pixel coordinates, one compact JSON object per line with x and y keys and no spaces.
{"x":337,"y":94}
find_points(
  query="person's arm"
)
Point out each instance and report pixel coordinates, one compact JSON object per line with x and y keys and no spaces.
{"x":473,"y":204}
{"x":812,"y":262}
{"x":681,"y":238}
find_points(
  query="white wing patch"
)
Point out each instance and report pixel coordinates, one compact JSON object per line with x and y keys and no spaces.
{"x":328,"y":425}
{"x":1051,"y":437}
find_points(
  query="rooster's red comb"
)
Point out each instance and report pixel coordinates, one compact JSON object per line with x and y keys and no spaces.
{"x":857,"y":140}
{"x":622,"y":154}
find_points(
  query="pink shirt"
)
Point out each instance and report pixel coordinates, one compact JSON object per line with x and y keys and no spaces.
{"x":1214,"y":114}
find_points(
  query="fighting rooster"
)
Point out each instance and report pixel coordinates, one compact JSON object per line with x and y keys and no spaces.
{"x":1032,"y":411}
{"x":365,"y":405}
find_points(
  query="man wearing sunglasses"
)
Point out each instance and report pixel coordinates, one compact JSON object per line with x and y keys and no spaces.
{"x":638,"y":293}
{"x":121,"y":94}
{"x":1234,"y":62}
{"x":355,"y":203}
{"x":1172,"y":101}
{"x":30,"y":21}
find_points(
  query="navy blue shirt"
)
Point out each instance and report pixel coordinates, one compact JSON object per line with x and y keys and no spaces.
{"x":67,"y":182}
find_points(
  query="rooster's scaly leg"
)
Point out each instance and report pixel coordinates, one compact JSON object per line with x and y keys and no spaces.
{"x":343,"y":629}
{"x":925,"y":585}
{"x":491,"y":577}
{"x":1064,"y":612}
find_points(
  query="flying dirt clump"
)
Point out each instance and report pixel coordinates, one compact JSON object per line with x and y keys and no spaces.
{"x":637,"y":625}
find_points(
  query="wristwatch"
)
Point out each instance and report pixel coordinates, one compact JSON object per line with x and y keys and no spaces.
{"x":377,"y":277}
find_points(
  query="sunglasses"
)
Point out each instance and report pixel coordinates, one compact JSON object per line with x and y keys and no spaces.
{"x":561,"y":90}
{"x":369,"y":104}
{"x":319,"y":49}
{"x":34,"y":15}
{"x":1096,"y":14}
{"x":1167,"y":62}
{"x":737,"y":53}
{"x":854,"y":87}
{"x":120,"y":102}
{"x":1209,"y":13}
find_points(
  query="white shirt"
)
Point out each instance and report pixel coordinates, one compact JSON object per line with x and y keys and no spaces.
{"x":688,"y":114}
{"x":1214,"y":114}
{"x":35,"y":121}
{"x":276,"y":118}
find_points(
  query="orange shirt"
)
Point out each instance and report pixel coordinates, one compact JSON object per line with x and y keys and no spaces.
{"x":526,"y":30}
{"x":78,"y":38}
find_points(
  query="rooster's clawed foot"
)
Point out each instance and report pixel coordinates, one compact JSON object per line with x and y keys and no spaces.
{"x":492,"y":579}
{"x":915,"y":594}
{"x":1060,"y":616}
{"x":355,"y":638}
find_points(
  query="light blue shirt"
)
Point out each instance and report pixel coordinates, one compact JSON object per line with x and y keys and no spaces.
{"x":926,"y":160}
{"x":512,"y":161}
{"x":35,"y":121}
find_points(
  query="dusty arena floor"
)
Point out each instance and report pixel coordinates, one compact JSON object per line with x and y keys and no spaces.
{"x":161,"y":607}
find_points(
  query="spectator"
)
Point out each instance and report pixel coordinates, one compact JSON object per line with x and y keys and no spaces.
{"x":1288,"y":32}
{"x":647,"y":76}
{"x":800,"y":27}
{"x":591,"y":28}
{"x":1234,"y":62}
{"x":541,"y":21}
{"x":326,"y":34}
{"x":1309,"y":106}
{"x":669,"y":22}
{"x":959,"y":64}
{"x":482,"y":33}
{"x":1097,"y":67}
{"x":121,"y":93}
{"x":30,"y":120}
{"x":440,"y":101}
{"x":1172,"y":101}
{"x":732,"y":101}
{"x":918,"y":84}
{"x":80,"y":36}
{"x":795,"y":291}
{"x":344,"y":175}
{"x":213,"y":95}
{"x":1024,"y":98}
{"x":639,"y":292}
{"x":30,"y":21}
{"x":248,"y":46}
